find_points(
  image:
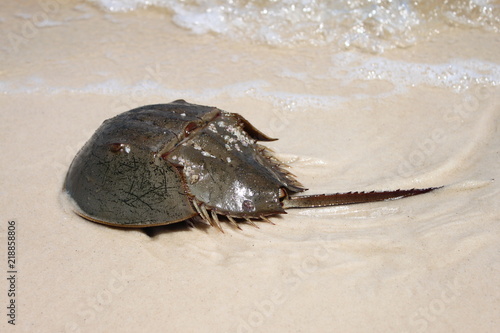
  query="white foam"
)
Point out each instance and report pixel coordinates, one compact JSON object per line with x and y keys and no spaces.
{"x":366,"y":24}
{"x":458,"y":74}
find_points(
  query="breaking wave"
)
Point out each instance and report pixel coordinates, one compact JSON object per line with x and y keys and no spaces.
{"x":370,"y":25}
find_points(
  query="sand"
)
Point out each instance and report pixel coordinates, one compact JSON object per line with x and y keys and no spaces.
{"x":424,"y":264}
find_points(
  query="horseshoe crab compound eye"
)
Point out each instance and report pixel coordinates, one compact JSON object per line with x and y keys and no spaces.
{"x":119,"y":147}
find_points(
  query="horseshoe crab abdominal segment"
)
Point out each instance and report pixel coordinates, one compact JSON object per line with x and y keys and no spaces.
{"x":166,"y":163}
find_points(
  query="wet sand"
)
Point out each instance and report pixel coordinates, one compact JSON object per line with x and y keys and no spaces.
{"x":428,"y":263}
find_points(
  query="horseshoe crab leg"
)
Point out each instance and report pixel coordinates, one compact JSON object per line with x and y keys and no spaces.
{"x":216,"y":220}
{"x":265,"y":219}
{"x":251,"y":222}
{"x":233,"y":222}
{"x":349,"y":198}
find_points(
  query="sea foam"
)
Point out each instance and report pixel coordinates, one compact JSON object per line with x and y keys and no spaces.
{"x":370,"y":25}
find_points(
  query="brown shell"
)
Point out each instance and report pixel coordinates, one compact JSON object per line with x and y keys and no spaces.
{"x":165,"y":163}
{"x":160,"y":164}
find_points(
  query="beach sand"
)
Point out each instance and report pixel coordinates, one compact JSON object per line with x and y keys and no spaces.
{"x":429,"y":263}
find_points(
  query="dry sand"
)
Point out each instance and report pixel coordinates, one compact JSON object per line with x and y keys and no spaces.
{"x":423,"y":264}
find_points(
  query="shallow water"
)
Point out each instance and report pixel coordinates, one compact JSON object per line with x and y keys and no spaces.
{"x":348,"y":119}
{"x":371,"y":25}
{"x":391,"y":74}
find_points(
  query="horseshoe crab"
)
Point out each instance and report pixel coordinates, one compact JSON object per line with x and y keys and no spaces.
{"x":166,"y":163}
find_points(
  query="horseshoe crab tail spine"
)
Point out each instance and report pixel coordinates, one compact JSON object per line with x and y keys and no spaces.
{"x":339,"y":199}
